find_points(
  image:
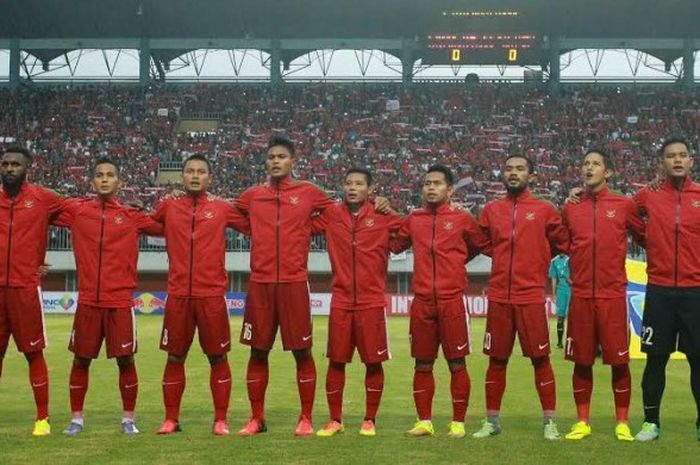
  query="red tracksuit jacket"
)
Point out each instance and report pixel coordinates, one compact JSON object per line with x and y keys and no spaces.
{"x":598,"y":228}
{"x":358,"y":246}
{"x":524,"y":233}
{"x":195,"y":235}
{"x":280,"y":225}
{"x":443,"y":241}
{"x":24,"y":223}
{"x":672,"y":233}
{"x":105,"y":243}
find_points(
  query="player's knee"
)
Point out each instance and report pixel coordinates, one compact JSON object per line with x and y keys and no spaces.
{"x":539,"y":361}
{"x":259,"y":354}
{"x":301,"y":354}
{"x":176,"y":358}
{"x":30,"y":356}
{"x":126,"y":361}
{"x":373,"y":367}
{"x":424,"y":365}
{"x":214,"y":359}
{"x":81,"y":362}
{"x":456,"y":364}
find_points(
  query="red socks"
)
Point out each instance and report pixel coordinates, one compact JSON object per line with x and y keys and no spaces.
{"x":335,"y":384}
{"x":129,"y":388}
{"x":220,"y":384}
{"x":77,"y":388}
{"x":423,"y":391}
{"x":583,"y":387}
{"x":546,"y":385}
{"x":460,"y":387}
{"x":173,"y":388}
{"x":256,"y":383}
{"x":495,"y":384}
{"x":374,"y":387}
{"x":306,"y":382}
{"x":39,"y":379}
{"x":622,"y":391}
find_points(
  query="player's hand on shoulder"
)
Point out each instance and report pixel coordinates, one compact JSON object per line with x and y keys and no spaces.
{"x":574,"y":195}
{"x":382,"y":205}
{"x":655,"y":184}
{"x":136,"y":204}
{"x":174,"y":194}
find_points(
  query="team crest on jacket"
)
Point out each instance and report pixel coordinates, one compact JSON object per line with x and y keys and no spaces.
{"x":695,"y":203}
{"x":208,"y":214}
{"x":530,"y":216}
{"x":369,"y":222}
{"x":610,"y":213}
{"x":449,"y":226}
{"x":28,"y":203}
{"x":294,"y":200}
{"x":119,"y":219}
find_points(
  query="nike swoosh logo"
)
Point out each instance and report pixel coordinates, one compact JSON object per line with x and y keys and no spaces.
{"x":307,"y":380}
{"x":542,"y":346}
{"x":332,"y":392}
{"x":252,"y":381}
{"x":381,"y":352}
{"x":222,"y":381}
{"x":462,"y":346}
{"x":124,"y":346}
{"x":170,"y":383}
{"x":651,"y":407}
{"x":578,"y":390}
{"x":458,"y":401}
{"x":418,"y":392}
{"x":33,"y":343}
{"x":490,"y":382}
{"x":374,"y":390}
{"x":306,"y":338}
{"x":129,"y":386}
{"x":70,"y":386}
{"x":621,"y":390}
{"x":545,"y":383}
{"x":622,"y":353}
{"x":224,"y":344}
{"x":40,"y":384}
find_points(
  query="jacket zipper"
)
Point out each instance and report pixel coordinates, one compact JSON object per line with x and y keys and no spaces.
{"x":512,"y":247}
{"x":277,"y":234}
{"x":194,"y":215}
{"x":675,"y":255}
{"x":99,"y":254}
{"x":9,"y":242}
{"x":432,"y":252}
{"x":595,"y":235}
{"x":354,"y":266}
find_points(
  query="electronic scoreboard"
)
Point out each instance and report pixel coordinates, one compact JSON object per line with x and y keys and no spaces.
{"x":483,"y":49}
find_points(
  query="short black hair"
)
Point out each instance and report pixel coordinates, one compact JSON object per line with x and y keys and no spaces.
{"x":283,"y":142}
{"x":366,"y":172}
{"x":105,"y":161}
{"x":198,"y":157}
{"x":530,"y":165}
{"x":19,"y":149}
{"x":675,"y":140}
{"x":607,"y":160}
{"x":449,"y":177}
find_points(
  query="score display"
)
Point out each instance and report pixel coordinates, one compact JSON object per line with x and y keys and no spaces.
{"x":482,"y":49}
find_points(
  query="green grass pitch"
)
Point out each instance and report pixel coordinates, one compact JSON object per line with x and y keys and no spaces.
{"x":520,"y":443}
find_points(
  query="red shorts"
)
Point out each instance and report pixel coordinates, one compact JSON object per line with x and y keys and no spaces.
{"x":362,"y":328}
{"x":594,"y":322}
{"x":92,"y":324}
{"x":22,"y":317}
{"x":446,"y":324}
{"x":271,"y":305}
{"x":503,"y":320}
{"x":208,"y":315}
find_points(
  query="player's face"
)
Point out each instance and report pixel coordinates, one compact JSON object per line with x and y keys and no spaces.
{"x":595,"y":174}
{"x":196,"y":176}
{"x":106,"y":181}
{"x":279,"y":162}
{"x":516,"y":175}
{"x":356,"y":190}
{"x":677,"y":160}
{"x":13,"y":169}
{"x":435,"y":188}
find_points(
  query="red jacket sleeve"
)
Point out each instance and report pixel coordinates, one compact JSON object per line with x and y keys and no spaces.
{"x":319,"y":222}
{"x":145,"y":224}
{"x":635,"y":225}
{"x":402,"y":239}
{"x":236,"y":219}
{"x":484,"y":225}
{"x":67,"y":213}
{"x":159,"y":214}
{"x":321,"y":201}
{"x":557,"y":234}
{"x":475,"y":238}
{"x":242,"y":203}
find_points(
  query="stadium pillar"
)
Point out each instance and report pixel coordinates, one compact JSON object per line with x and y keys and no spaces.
{"x":688,"y":63}
{"x":14,"y":63}
{"x":407,"y":61}
{"x":554,"y":64}
{"x":145,"y":62}
{"x":276,"y":63}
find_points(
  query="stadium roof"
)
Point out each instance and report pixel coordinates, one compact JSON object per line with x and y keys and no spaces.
{"x":345,"y":18}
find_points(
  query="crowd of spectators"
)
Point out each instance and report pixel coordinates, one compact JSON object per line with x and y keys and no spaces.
{"x":395,"y":131}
